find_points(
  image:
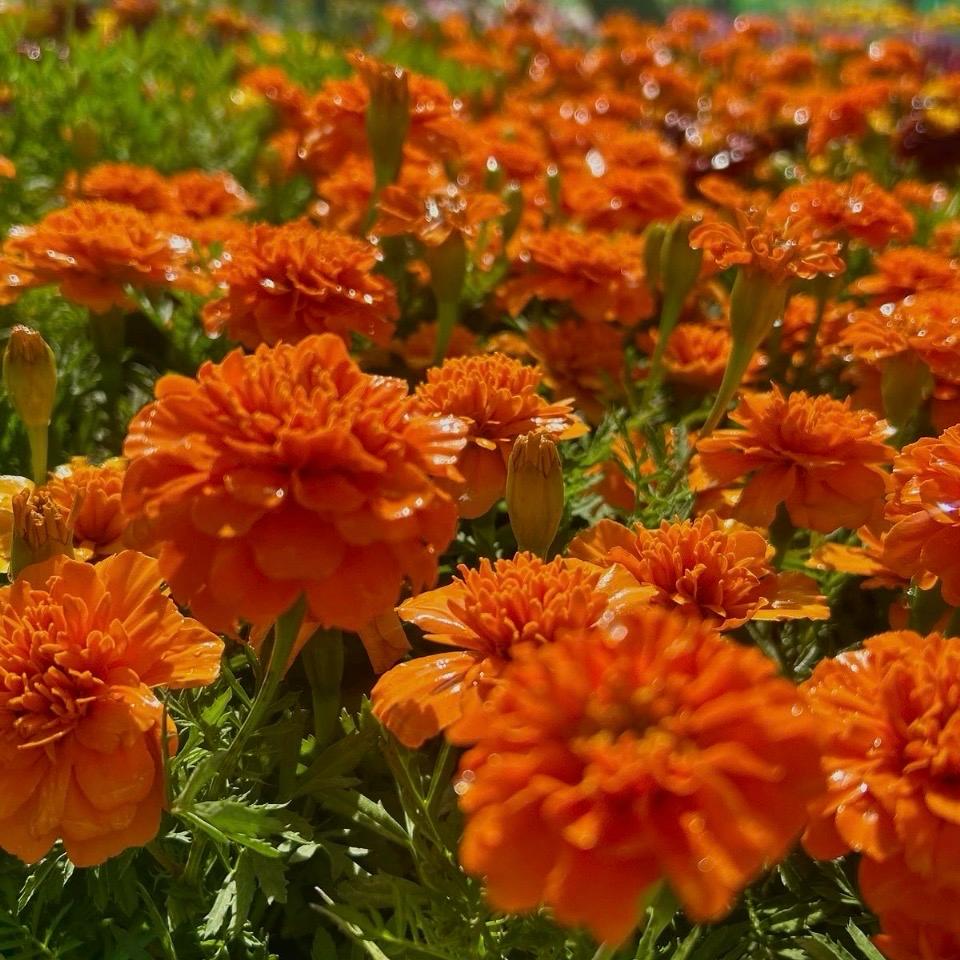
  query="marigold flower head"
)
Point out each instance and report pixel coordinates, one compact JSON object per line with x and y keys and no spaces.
{"x":719,"y":571}
{"x":903,"y":271}
{"x":92,"y":250}
{"x":888,"y":717}
{"x":82,"y":736}
{"x":287,"y":282}
{"x":290,"y":472}
{"x":142,"y":187}
{"x":612,"y":758}
{"x":600,"y":276}
{"x":497,"y":398}
{"x":846,"y":113}
{"x":419,"y":348}
{"x":489,"y":614}
{"x":924,"y":507}
{"x":903,"y":938}
{"x":768,"y":244}
{"x":204,"y":195}
{"x":818,"y":456}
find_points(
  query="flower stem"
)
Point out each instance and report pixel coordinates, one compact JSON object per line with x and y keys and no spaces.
{"x":323,"y":662}
{"x":448,"y":313}
{"x":38,"y":437}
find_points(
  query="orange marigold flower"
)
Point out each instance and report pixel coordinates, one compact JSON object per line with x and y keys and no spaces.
{"x":419,"y":349}
{"x":720,"y":571}
{"x":768,"y":243}
{"x":818,"y":456}
{"x":203,"y":195}
{"x":290,"y":472}
{"x":858,"y":208}
{"x":99,"y":525}
{"x":433,"y":217}
{"x":287,"y":282}
{"x":8,"y":169}
{"x":489,"y":614}
{"x":141,"y":187}
{"x":497,"y":398}
{"x":609,"y":759}
{"x":924,"y":508}
{"x":92,"y":250}
{"x":903,"y":938}
{"x":600,"y":276}
{"x":907,"y":270}
{"x":81,"y":731}
{"x":888,"y":718}
{"x":846,"y":113}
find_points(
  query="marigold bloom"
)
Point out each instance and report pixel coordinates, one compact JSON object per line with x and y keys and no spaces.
{"x":81,"y":730}
{"x":846,"y":113}
{"x":612,"y":758}
{"x":419,"y":348}
{"x":769,"y":244}
{"x":287,"y":282}
{"x":924,"y":508}
{"x":697,"y":354}
{"x":600,"y":276}
{"x":903,"y":938}
{"x":290,"y":472}
{"x":719,"y":571}
{"x":203,"y":195}
{"x":141,"y":187}
{"x":906,"y":270}
{"x":488,"y":615}
{"x":92,"y":250}
{"x":497,"y":398}
{"x":888,"y":717}
{"x":818,"y":456}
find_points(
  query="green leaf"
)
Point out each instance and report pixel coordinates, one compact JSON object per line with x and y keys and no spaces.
{"x":863,"y":942}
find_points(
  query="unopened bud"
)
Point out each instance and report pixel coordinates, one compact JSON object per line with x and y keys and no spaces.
{"x":41,"y":530}
{"x":679,"y":262}
{"x":534,"y":492}
{"x":30,"y":376}
{"x":513,"y":198}
{"x":652,"y":245}
{"x":388,"y":115}
{"x":905,"y":385}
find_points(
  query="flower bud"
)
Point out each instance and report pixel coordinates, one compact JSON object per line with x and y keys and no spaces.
{"x":652,"y":247}
{"x":679,"y":262}
{"x":388,"y":115}
{"x":905,"y":385}
{"x":534,"y":492}
{"x":513,"y":198}
{"x":30,"y":376}
{"x":40,"y":529}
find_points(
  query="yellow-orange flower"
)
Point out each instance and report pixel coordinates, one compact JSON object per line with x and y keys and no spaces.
{"x":767,"y":243}
{"x":610,"y":759}
{"x":720,"y":571}
{"x":81,"y":731}
{"x":818,"y":456}
{"x":92,"y":250}
{"x":924,"y":508}
{"x":290,"y":472}
{"x":497,"y":398}
{"x":287,"y":282}
{"x":488,"y":615}
{"x":599,"y":275}
{"x":888,"y":718}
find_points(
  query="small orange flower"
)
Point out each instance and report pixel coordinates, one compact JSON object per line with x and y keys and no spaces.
{"x":719,"y":571}
{"x":924,"y":508}
{"x":434,"y":217}
{"x":287,"y":282}
{"x":497,"y":398}
{"x":697,"y":355}
{"x":906,"y":270}
{"x":769,"y":244}
{"x":818,"y":456}
{"x":612,"y":758}
{"x":599,"y":275}
{"x":100,"y":527}
{"x":126,"y":183}
{"x":92,"y":250}
{"x":846,"y":113}
{"x":419,"y":348}
{"x":290,"y":472}
{"x":81,"y":731}
{"x":203,"y":195}
{"x":890,"y":727}
{"x":489,"y":615}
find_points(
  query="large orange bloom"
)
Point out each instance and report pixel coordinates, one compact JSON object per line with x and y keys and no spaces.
{"x":924,"y":508}
{"x":81,"y":730}
{"x":92,"y":250}
{"x":817,"y":455}
{"x":497,"y":398}
{"x":782,"y":247}
{"x":599,"y":275}
{"x":489,"y":615}
{"x":612,"y":758}
{"x":291,"y":472}
{"x":720,"y":571}
{"x":287,"y":282}
{"x":888,"y":716}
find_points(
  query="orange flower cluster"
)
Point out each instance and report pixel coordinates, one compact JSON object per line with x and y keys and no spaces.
{"x":290,"y":472}
{"x":82,"y":735}
{"x":608,"y":760}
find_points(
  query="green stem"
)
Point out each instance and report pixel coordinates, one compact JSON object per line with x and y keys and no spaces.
{"x":669,"y":314}
{"x":605,"y":952}
{"x":39,"y":438}
{"x":448,"y":313}
{"x":781,"y":533}
{"x":322,"y":660}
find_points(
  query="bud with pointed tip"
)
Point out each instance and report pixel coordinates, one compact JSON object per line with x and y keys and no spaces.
{"x":40,"y":529}
{"x":534,"y":492}
{"x":652,"y":245}
{"x":388,"y":115}
{"x":30,"y":378}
